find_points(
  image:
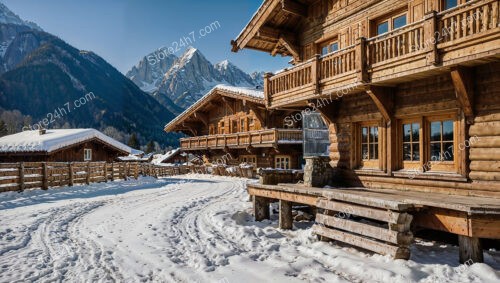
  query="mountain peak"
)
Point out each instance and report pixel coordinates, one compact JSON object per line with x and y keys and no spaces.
{"x":9,"y":17}
{"x":223,"y":65}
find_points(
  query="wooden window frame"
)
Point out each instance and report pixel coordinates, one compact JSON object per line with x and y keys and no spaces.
{"x":441,"y":166}
{"x":442,"y":4}
{"x":285,"y":157}
{"x":328,"y":43}
{"x":245,"y":158}
{"x":243,"y":125}
{"x":371,"y":164}
{"x":87,"y":154}
{"x":406,"y":164}
{"x":389,"y":18}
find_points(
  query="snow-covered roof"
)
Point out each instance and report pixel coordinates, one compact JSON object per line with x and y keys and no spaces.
{"x":52,"y":140}
{"x":166,"y":156}
{"x":243,"y":93}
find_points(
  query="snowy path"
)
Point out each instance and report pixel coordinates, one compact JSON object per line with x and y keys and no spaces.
{"x":189,"y":230}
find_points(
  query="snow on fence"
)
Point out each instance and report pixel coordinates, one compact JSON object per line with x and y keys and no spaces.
{"x":43,"y":175}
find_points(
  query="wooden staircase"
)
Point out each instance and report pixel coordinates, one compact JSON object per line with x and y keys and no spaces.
{"x":379,"y":226}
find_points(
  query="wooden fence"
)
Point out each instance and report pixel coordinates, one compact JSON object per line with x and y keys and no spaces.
{"x":44,"y":175}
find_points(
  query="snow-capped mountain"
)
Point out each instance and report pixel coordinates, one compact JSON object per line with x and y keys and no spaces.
{"x":183,"y":80}
{"x":8,"y":17}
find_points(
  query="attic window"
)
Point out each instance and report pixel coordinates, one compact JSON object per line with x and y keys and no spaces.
{"x":87,"y":154}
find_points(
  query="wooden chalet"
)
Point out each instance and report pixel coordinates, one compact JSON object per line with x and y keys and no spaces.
{"x":231,"y":125}
{"x":65,"y":145}
{"x":174,"y":156}
{"x":411,"y":93}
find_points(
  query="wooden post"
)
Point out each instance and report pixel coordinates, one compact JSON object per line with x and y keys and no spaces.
{"x":261,"y":208}
{"x":105,"y":172}
{"x":87,"y":179}
{"x":286,"y":218}
{"x":70,"y":174}
{"x":22,"y":185}
{"x":45,"y":181}
{"x":316,"y":73}
{"x":361,"y":51}
{"x":112,"y":171}
{"x":431,"y":37}
{"x":470,"y":249}
{"x":136,"y":171}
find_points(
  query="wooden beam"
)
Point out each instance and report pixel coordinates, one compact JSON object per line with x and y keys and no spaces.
{"x":202,"y":118}
{"x":285,"y":215}
{"x":228,"y":103}
{"x":258,"y":113}
{"x":383,"y":97}
{"x":294,"y":7}
{"x":462,"y":80}
{"x":261,"y":208}
{"x":292,"y":48}
{"x":470,"y":250}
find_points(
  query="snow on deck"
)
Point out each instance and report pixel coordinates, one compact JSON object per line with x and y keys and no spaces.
{"x":194,"y":228}
{"x":32,"y":141}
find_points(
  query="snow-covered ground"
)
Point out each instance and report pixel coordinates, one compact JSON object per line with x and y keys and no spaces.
{"x":190,"y":229}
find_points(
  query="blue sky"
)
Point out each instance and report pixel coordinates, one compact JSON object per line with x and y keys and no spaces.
{"x":123,"y":31}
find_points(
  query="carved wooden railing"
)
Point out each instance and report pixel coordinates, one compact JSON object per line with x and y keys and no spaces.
{"x":415,"y":46}
{"x":272,"y":136}
{"x":466,"y":20}
{"x":338,"y":63}
{"x":300,"y":76}
{"x":400,"y":42}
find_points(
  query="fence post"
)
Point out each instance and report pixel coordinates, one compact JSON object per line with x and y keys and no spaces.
{"x":45,"y":181}
{"x":22,"y":185}
{"x":70,"y":174}
{"x":136,"y":171}
{"x":105,"y":171}
{"x":112,"y":171}
{"x":87,"y":181}
{"x":125,"y":170}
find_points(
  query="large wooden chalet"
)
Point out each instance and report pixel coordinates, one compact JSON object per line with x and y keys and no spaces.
{"x":231,"y":125}
{"x":411,"y":93}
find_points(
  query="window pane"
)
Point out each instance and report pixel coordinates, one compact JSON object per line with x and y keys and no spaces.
{"x":448,"y":4}
{"x":448,"y":154}
{"x":416,"y":152}
{"x":364,"y":133}
{"x":399,"y":21}
{"x":373,"y":134}
{"x":382,"y":28}
{"x":406,"y":132}
{"x":436,"y":152}
{"x":364,"y":151}
{"x":416,"y":132}
{"x":448,"y":131}
{"x":436,"y":131}
{"x":407,"y":152}
{"x":334,"y":47}
{"x":324,"y":50}
{"x":374,"y":152}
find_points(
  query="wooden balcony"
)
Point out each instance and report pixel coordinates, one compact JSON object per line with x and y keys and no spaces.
{"x":263,"y":138}
{"x":467,"y":34}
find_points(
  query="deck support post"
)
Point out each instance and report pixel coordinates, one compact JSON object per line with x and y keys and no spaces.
{"x":470,"y":249}
{"x":261,"y":208}
{"x":286,"y":217}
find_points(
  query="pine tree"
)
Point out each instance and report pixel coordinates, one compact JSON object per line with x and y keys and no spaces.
{"x":133,"y":142}
{"x":3,"y":129}
{"x":150,"y":147}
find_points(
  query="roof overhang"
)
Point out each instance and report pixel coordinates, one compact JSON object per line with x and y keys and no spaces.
{"x":272,"y":27}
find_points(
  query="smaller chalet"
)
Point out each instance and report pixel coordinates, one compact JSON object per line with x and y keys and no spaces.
{"x":231,"y":125}
{"x":174,"y":156}
{"x":64,"y":145}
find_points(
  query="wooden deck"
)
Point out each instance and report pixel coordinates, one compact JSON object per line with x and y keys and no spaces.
{"x":470,"y":218}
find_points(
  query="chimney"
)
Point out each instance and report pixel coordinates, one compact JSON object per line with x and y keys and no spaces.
{"x":42,"y":131}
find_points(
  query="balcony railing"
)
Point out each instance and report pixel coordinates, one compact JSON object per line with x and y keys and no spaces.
{"x":261,"y":138}
{"x":437,"y":39}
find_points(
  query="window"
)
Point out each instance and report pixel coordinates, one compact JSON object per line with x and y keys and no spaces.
{"x":448,"y":4}
{"x":411,"y":142}
{"x":222,"y":129}
{"x":441,"y":141}
{"x":282,"y":162}
{"x":243,"y":125}
{"x":428,"y":144}
{"x":87,"y":154}
{"x":329,"y":47}
{"x":389,"y":23}
{"x":250,"y":159}
{"x":369,"y":143}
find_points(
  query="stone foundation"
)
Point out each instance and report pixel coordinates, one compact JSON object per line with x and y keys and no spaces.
{"x":318,"y":172}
